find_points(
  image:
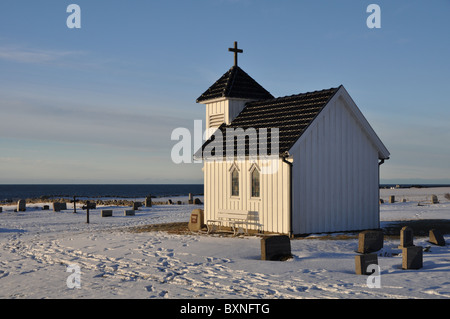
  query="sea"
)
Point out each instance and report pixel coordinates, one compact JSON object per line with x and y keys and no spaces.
{"x":15,"y":192}
{"x":47,"y":191}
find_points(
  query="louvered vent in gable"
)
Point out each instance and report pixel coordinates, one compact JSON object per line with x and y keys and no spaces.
{"x":216,"y":120}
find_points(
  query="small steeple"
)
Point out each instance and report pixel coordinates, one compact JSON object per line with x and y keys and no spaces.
{"x":235,"y":83}
{"x":227,"y":97}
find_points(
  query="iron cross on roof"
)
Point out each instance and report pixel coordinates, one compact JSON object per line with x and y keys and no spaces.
{"x":236,"y":51}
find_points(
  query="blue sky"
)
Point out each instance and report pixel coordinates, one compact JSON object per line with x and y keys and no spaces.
{"x":98,"y":104}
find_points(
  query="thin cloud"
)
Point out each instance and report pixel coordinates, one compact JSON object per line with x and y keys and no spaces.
{"x":29,"y":55}
{"x":62,"y":121}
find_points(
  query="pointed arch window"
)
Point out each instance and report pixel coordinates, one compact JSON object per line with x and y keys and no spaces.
{"x":234,"y":181}
{"x":255,"y":181}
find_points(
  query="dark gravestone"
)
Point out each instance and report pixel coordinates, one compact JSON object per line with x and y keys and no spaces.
{"x":370,"y":241}
{"x":1,"y":209}
{"x":406,"y":237}
{"x":275,"y":247}
{"x":21,"y":205}
{"x":106,"y":213}
{"x":129,"y":212}
{"x":436,"y":238}
{"x":89,"y":205}
{"x":46,"y":207}
{"x":412,"y":257}
{"x":434,"y":199}
{"x":197,"y":201}
{"x":57,"y":207}
{"x":391,"y":199}
{"x":363,"y":261}
{"x":148,"y":201}
{"x":136,"y":206}
{"x":196,"y":221}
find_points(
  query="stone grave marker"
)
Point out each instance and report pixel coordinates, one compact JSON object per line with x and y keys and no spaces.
{"x":1,"y":209}
{"x":169,"y":202}
{"x":148,"y":201}
{"x":89,"y":205}
{"x":57,"y":207}
{"x":412,"y":257}
{"x":197,"y":201}
{"x":370,"y":241}
{"x":136,"y":206}
{"x":21,"y":205}
{"x":434,"y":199}
{"x":275,"y":247}
{"x":436,"y":237}
{"x":46,"y":207}
{"x":106,"y":212}
{"x":363,"y":261}
{"x":190,"y":200}
{"x":196,"y":221}
{"x":392,"y":199}
{"x":129,"y":212}
{"x":406,"y":237}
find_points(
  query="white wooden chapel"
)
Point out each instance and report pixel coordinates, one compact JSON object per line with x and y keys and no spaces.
{"x":328,"y":158}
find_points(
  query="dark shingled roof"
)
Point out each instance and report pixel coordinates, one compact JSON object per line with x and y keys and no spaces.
{"x":238,"y":84}
{"x":290,"y":114}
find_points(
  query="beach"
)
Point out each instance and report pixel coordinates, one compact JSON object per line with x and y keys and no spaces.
{"x":39,"y":250}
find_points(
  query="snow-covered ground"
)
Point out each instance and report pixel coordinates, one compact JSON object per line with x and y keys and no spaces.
{"x":37,"y":248}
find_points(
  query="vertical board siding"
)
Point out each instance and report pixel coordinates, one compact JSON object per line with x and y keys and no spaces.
{"x":335,"y":175}
{"x":272,"y":205}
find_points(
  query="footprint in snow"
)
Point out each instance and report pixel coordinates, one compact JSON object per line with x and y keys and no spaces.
{"x":271,"y":292}
{"x":214,"y":259}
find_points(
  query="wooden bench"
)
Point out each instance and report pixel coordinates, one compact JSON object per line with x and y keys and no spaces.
{"x":237,"y":219}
